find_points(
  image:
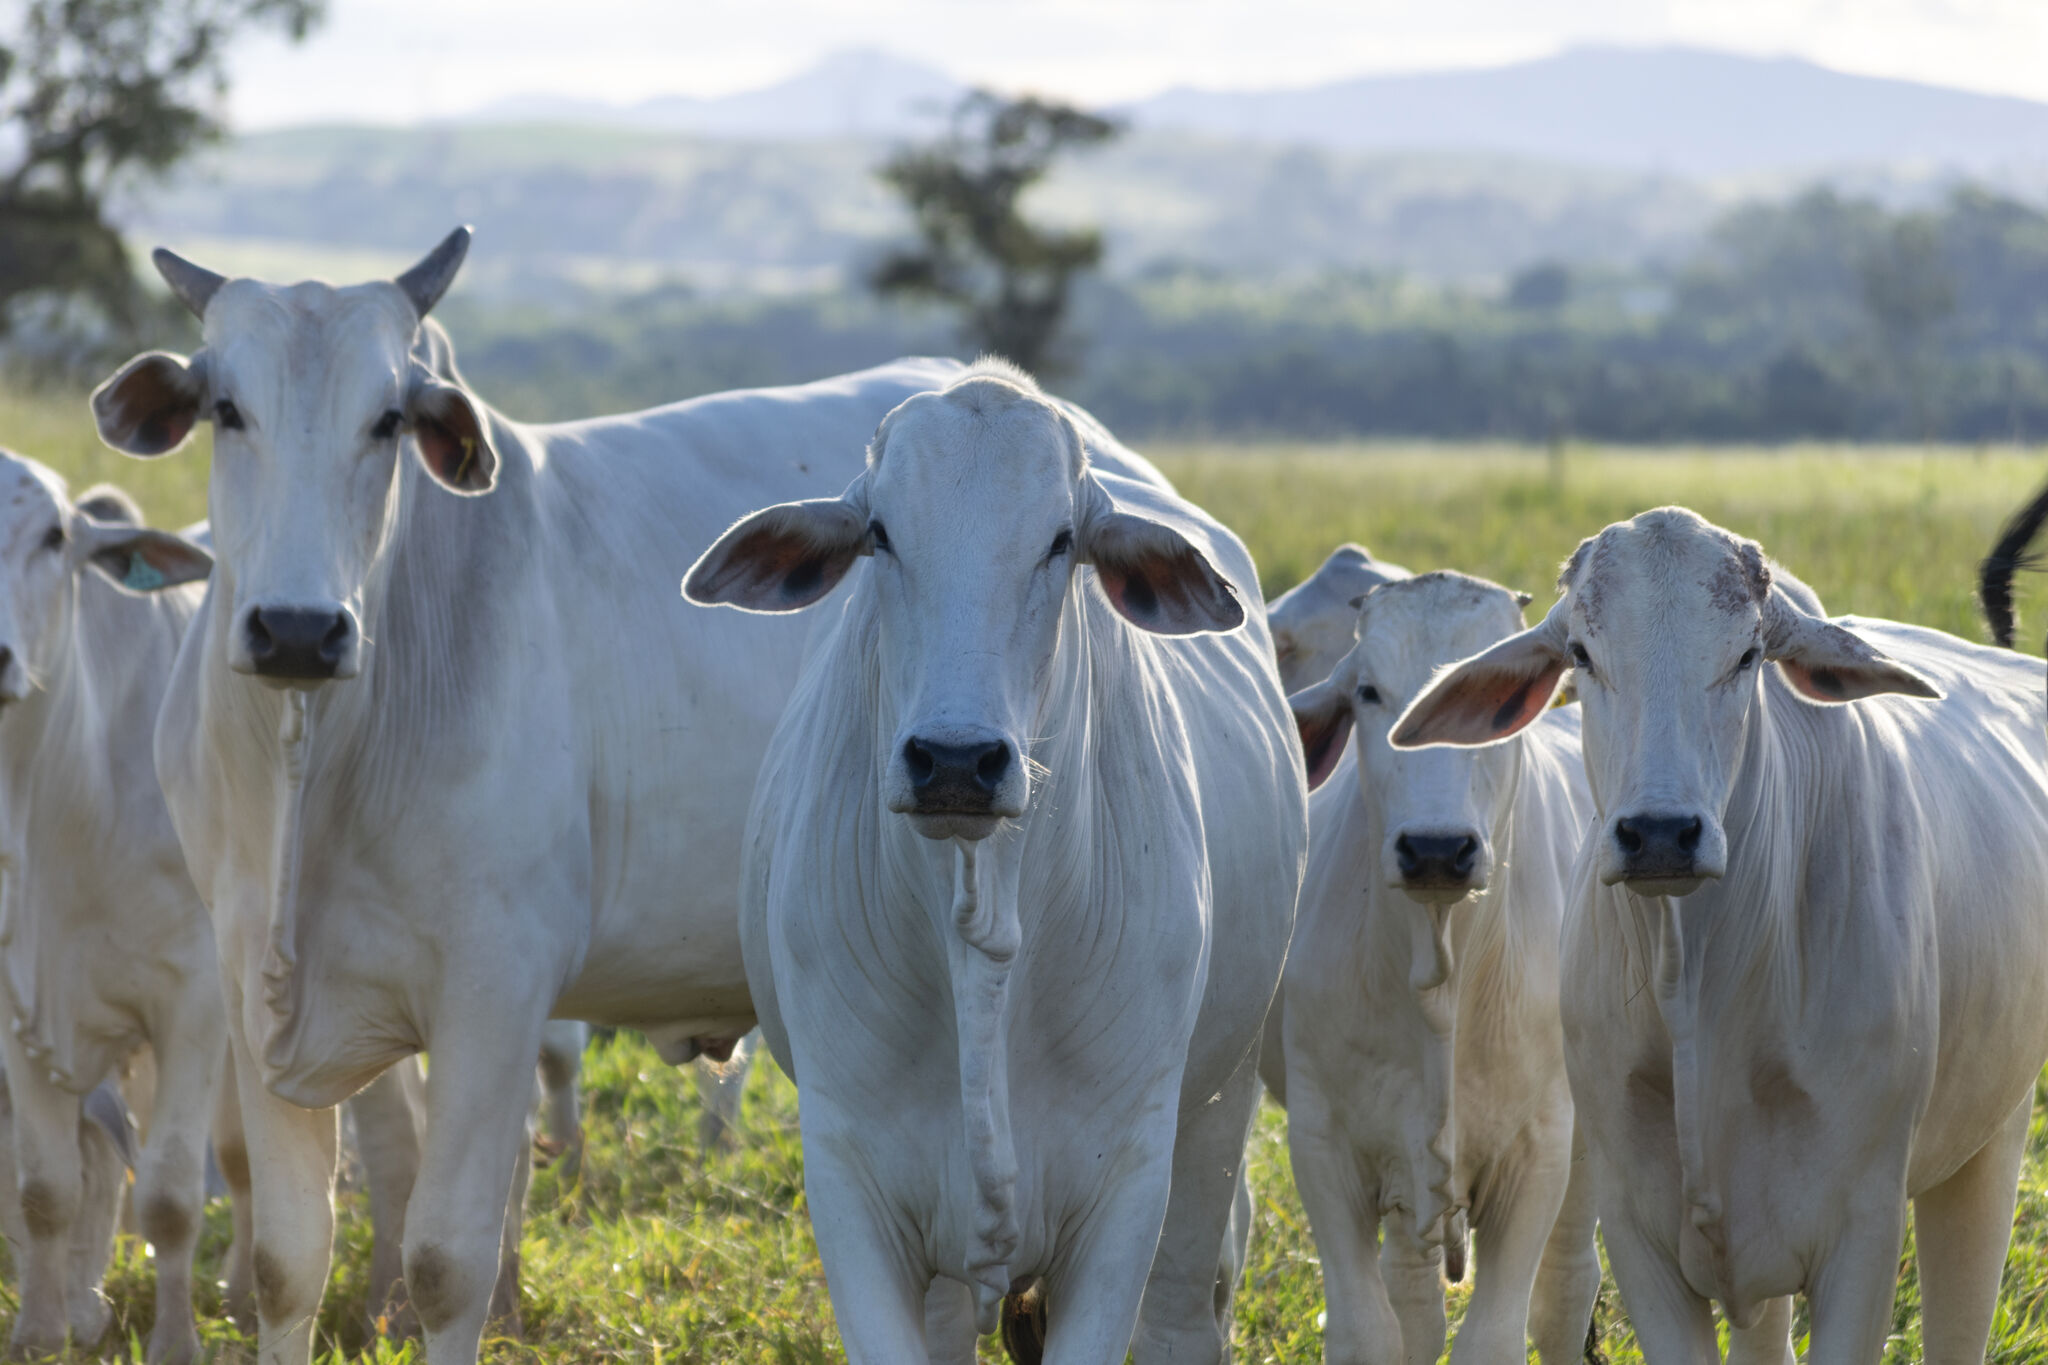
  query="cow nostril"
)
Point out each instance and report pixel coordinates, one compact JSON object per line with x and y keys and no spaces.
{"x":1625,"y":834}
{"x":336,"y":640}
{"x":994,"y":763}
{"x":6,"y":658}
{"x":919,"y":761}
{"x":261,"y":645}
{"x":1689,"y":837}
{"x":1404,"y":854}
{"x":1467,"y":852}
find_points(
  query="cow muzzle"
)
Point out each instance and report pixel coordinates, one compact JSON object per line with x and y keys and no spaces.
{"x":956,"y":784}
{"x":1664,"y":853}
{"x":1439,"y":866}
{"x":297,"y":646}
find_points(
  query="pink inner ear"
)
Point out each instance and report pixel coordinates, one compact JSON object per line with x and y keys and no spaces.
{"x":1322,"y":744}
{"x":1822,"y":684}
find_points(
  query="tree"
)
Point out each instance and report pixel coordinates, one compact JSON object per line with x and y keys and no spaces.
{"x":976,"y":252}
{"x":91,"y":90}
{"x":1907,"y":290}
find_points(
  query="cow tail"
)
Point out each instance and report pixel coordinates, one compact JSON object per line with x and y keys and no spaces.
{"x":985,"y":943}
{"x":2008,"y":557}
{"x":1024,"y":1321}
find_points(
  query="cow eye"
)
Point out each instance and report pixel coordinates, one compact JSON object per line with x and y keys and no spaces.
{"x":53,"y":539}
{"x":1061,"y":543}
{"x":227,"y":415}
{"x":880,"y":535}
{"x":1748,"y":658}
{"x":1369,"y":694}
{"x":1580,"y":659}
{"x":387,"y":425}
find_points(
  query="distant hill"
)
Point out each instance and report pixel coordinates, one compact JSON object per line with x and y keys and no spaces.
{"x":1678,"y":110}
{"x":850,"y":94}
{"x":623,"y":209}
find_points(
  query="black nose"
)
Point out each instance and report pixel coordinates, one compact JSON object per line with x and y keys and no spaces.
{"x":1658,"y":845}
{"x":955,"y":777}
{"x":298,"y":642}
{"x":1436,"y":860}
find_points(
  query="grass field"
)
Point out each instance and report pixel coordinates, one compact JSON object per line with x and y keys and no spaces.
{"x":658,"y":1252}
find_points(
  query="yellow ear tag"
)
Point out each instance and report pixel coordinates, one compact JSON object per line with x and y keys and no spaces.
{"x":468,"y":460}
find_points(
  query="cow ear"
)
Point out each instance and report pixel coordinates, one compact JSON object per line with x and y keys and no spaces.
{"x":1825,"y":663}
{"x":1154,"y":576}
{"x":782,"y":558}
{"x":454,"y":444}
{"x":1489,"y":697}
{"x":138,"y":559}
{"x":1323,"y":716}
{"x":151,"y":404}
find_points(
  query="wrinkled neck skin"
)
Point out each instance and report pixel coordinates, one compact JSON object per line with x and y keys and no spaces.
{"x":1725,"y":964}
{"x":1440,"y":963}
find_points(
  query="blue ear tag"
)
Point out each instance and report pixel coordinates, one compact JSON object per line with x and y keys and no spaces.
{"x":143,"y":576}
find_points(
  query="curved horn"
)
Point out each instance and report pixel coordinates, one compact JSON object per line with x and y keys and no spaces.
{"x":194,"y":285}
{"x":426,"y":282}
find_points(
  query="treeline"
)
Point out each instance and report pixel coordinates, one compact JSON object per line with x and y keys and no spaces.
{"x":1824,"y":316}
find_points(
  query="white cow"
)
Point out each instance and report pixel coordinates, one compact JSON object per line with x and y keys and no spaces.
{"x":1315,"y":622}
{"x":104,"y":948}
{"x":444,"y":755}
{"x":1801,"y":976}
{"x":1022,"y":866}
{"x":1425,"y":1062}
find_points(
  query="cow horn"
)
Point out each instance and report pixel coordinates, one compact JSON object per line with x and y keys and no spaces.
{"x":426,"y":282}
{"x":194,"y":285}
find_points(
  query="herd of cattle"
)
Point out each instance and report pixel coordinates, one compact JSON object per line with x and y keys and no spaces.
{"x":413,"y":749}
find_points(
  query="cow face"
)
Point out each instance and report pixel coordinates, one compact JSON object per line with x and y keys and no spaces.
{"x":976,"y":507}
{"x":1438,"y":809}
{"x":311,"y":391}
{"x":46,"y":542}
{"x":1666,"y":622}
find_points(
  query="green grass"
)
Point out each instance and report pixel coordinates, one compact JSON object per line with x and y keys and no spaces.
{"x":657,"y":1252}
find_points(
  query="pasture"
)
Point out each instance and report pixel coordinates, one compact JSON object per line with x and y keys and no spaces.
{"x":656,"y":1251}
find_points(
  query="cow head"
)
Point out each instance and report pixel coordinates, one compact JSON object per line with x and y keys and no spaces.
{"x":1665,"y":622}
{"x":977,"y":506}
{"x":1315,"y":622}
{"x":1438,"y":809}
{"x":311,"y":391}
{"x":46,"y":542}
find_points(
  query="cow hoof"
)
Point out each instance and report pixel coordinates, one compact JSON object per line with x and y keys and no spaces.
{"x":1023,"y":1321}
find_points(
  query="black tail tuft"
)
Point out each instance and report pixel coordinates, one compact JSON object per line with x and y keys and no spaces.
{"x":1023,"y":1325}
{"x":2008,"y":557}
{"x":1454,"y":1252}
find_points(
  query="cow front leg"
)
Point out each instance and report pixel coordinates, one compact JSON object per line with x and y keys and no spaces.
{"x":1962,"y":1227}
{"x":1852,"y":1290}
{"x":51,"y":1143}
{"x":1093,"y":1296}
{"x":479,"y":1102}
{"x":1413,"y":1272}
{"x":949,"y":1335}
{"x":170,"y":1177}
{"x":879,"y":1294}
{"x":291,"y":1175}
{"x":1359,"y":1326}
{"x":1568,"y":1280}
{"x":1674,"y":1326}
{"x":1768,"y":1340}
{"x":1190,"y":1296}
{"x":388,"y":1114}
{"x":231,"y":1154}
{"x":1510,"y":1234}
{"x":561,"y":1071}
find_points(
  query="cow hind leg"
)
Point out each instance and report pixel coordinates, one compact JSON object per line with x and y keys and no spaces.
{"x":719,"y":1091}
{"x":1963,"y":1226}
{"x":1190,"y":1296}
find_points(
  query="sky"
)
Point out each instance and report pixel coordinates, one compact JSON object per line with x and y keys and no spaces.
{"x":401,"y":61}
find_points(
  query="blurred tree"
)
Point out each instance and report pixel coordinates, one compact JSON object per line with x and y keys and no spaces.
{"x":976,"y":252}
{"x":90,"y":89}
{"x":1907,"y":290}
{"x":1541,"y":288}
